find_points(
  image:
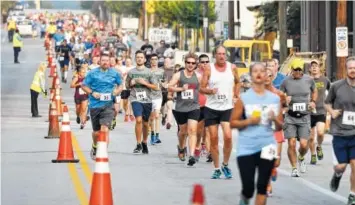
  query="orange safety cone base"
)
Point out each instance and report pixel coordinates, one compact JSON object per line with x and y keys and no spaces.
{"x":51,"y":137}
{"x":65,"y":161}
{"x":101,"y":192}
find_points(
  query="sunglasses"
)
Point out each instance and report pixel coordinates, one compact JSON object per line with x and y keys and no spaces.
{"x":154,"y":59}
{"x":204,"y":62}
{"x":187,"y":62}
{"x":297,"y":69}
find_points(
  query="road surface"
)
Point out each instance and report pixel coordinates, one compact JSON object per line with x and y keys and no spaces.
{"x":29,"y":177}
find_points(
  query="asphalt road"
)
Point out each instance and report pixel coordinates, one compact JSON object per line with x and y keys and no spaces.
{"x":29,"y":177}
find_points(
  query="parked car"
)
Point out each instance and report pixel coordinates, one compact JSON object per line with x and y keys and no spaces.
{"x":25,"y":28}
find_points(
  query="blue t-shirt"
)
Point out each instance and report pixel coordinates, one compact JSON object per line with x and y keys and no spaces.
{"x":102,"y":82}
{"x":58,"y":37}
{"x":278,"y":80}
{"x":88,"y":45}
{"x":253,"y":138}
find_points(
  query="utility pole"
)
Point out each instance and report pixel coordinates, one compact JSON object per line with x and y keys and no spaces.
{"x":198,"y":25}
{"x":283,"y":30}
{"x":237,"y":19}
{"x":231,"y":27}
{"x":145,"y":19}
{"x":341,"y":22}
{"x":205,"y":27}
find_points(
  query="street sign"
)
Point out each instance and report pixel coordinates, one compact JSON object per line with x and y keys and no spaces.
{"x":157,"y":34}
{"x":205,"y":22}
{"x":342,"y":41}
{"x":289,"y":43}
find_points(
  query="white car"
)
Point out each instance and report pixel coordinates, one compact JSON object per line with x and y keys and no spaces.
{"x":25,"y":28}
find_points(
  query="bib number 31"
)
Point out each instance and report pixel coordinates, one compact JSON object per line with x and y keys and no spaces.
{"x":269,"y":152}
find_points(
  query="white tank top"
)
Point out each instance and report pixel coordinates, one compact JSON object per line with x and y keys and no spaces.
{"x":224,"y":81}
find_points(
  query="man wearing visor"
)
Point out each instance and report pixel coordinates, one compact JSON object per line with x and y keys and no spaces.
{"x":301,"y":97}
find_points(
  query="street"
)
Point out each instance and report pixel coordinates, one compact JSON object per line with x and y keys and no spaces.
{"x":29,"y":177}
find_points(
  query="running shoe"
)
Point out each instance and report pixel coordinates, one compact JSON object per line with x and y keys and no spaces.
{"x":226,"y":171}
{"x":145,"y":148}
{"x":138,"y":148}
{"x":295,"y":173}
{"x":351,"y":200}
{"x":319,"y":152}
{"x":216,"y":174}
{"x":157,"y":140}
{"x":334,"y":182}
{"x":78,"y":119}
{"x":192,"y":161}
{"x":181,"y":153}
{"x":93,"y":153}
{"x":152,"y":139}
{"x":209,"y":158}
{"x":314,"y":159}
{"x":302,"y":164}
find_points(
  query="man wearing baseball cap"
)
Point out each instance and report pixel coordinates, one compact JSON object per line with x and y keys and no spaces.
{"x":301,"y":97}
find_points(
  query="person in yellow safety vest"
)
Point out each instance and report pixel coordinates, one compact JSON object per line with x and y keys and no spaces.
{"x":52,"y":28}
{"x":11,"y":26}
{"x":37,"y":87}
{"x":17,"y":44}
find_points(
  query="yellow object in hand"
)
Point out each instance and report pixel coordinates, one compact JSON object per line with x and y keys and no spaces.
{"x":256,"y":113}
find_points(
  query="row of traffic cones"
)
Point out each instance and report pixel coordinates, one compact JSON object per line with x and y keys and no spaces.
{"x":101,"y":189}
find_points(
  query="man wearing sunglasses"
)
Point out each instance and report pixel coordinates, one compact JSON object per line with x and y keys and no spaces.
{"x":223,"y":88}
{"x":301,"y":97}
{"x":187,"y":109}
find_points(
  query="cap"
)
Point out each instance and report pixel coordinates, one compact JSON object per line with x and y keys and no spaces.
{"x":297,"y":63}
{"x":315,"y":61}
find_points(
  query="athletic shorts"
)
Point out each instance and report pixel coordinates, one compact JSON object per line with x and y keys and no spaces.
{"x":279,"y":136}
{"x":65,"y":62}
{"x":101,"y":116}
{"x":125,"y":94}
{"x":215,"y":117}
{"x":182,"y":117}
{"x":202,"y":114}
{"x":142,"y":110}
{"x":165,"y":98}
{"x":156,"y":104}
{"x":80,"y":99}
{"x":317,"y":118}
{"x":302,"y":130}
{"x":344,"y":149}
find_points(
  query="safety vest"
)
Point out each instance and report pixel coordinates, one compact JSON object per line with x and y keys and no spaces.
{"x":15,"y":41}
{"x":12,"y":25}
{"x":36,"y":83}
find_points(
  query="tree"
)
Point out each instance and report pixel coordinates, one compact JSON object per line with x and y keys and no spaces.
{"x":293,"y":18}
{"x":6,"y":5}
{"x":46,"y":5}
{"x":124,"y":7}
{"x":87,"y":5}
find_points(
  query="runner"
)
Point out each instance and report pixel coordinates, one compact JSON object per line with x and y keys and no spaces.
{"x":223,"y":81}
{"x":302,"y":95}
{"x":278,"y":77}
{"x":64,"y":58}
{"x":203,"y":137}
{"x":125,"y":93}
{"x":340,"y":103}
{"x":117,"y":99}
{"x":253,"y":116}
{"x":80,"y":98}
{"x":140,"y":81}
{"x":99,"y":84}
{"x":157,"y":99}
{"x":319,"y":116}
{"x":187,"y":110}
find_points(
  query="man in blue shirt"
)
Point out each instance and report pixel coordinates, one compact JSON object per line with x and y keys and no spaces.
{"x":58,"y":38}
{"x":272,"y":64}
{"x":102,"y":85}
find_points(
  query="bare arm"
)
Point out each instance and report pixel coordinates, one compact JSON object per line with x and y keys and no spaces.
{"x":279,"y":119}
{"x":204,"y":82}
{"x":172,"y":84}
{"x":237,"y":84}
{"x":236,"y":121}
{"x":74,"y":83}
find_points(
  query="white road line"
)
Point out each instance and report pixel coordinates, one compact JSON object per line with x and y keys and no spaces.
{"x":309,"y":184}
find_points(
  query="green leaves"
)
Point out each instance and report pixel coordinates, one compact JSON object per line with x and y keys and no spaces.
{"x":124,"y":7}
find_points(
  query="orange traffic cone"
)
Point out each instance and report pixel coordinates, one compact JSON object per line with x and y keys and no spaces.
{"x":53,"y":69}
{"x":58,"y":101}
{"x":65,"y":149}
{"x":198,"y":197}
{"x":101,"y":192}
{"x":53,"y":130}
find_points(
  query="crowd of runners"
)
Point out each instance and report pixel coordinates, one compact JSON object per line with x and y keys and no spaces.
{"x":207,"y":99}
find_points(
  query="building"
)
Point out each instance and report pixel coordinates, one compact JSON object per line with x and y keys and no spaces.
{"x":318,"y":25}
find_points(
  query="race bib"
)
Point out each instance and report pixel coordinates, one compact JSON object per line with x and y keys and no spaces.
{"x":105,"y":96}
{"x":349,"y":118}
{"x":80,"y":57}
{"x":142,"y":95}
{"x":57,"y":43}
{"x":269,"y":152}
{"x":81,"y":92}
{"x":187,"y":94}
{"x":221,"y":98}
{"x":299,"y":107}
{"x":61,"y":58}
{"x":161,"y":60}
{"x":148,"y":52}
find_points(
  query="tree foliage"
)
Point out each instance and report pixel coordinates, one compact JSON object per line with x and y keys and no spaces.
{"x":6,"y":5}
{"x":86,"y":4}
{"x":268,"y":11}
{"x":185,"y":12}
{"x":124,"y":7}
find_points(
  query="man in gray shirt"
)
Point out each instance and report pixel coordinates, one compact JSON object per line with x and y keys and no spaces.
{"x":157,"y":98}
{"x":302,"y":95}
{"x":340,"y":103}
{"x":318,"y":115}
{"x":140,"y":81}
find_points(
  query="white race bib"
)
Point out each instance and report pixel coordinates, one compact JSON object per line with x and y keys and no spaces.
{"x":57,"y":43}
{"x":299,"y":107}
{"x":80,"y":57}
{"x":187,"y":94}
{"x":221,"y":97}
{"x":161,"y":60}
{"x":81,"y":92}
{"x":61,"y":58}
{"x":269,"y":152}
{"x":349,"y":118}
{"x":141,"y":96}
{"x":105,"y":96}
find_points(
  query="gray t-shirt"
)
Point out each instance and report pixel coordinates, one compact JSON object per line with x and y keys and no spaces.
{"x":158,"y":76}
{"x":140,"y":93}
{"x":300,"y":91}
{"x":342,"y":96}
{"x":322,"y":84}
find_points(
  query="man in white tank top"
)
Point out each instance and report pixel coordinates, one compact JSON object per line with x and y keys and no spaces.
{"x":220,"y":83}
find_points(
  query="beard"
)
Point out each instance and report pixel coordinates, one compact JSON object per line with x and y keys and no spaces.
{"x":351,"y":76}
